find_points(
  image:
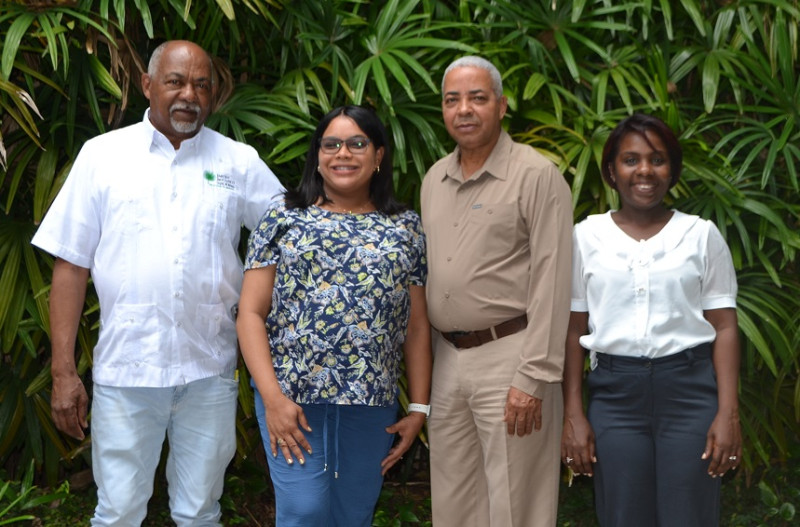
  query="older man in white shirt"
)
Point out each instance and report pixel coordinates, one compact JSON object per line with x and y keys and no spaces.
{"x":154,"y":212}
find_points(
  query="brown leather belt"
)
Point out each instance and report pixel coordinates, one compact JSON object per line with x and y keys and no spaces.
{"x":470,"y":339}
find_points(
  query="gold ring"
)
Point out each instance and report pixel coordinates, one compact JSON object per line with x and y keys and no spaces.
{"x":281,"y":441}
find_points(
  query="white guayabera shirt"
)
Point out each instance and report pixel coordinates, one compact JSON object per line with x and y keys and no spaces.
{"x":159,"y":230}
{"x":646,"y":298}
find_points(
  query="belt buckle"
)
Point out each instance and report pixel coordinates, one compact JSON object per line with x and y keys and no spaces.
{"x":455,"y":338}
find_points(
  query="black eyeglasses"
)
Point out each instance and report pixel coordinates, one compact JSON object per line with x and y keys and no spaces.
{"x":356,"y":144}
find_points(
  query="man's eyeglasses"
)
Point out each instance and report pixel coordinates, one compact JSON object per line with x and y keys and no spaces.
{"x":356,"y":144}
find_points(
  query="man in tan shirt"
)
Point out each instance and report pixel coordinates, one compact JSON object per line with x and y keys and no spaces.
{"x":498,"y":219}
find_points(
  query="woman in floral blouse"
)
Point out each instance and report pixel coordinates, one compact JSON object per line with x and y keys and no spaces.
{"x":337,"y":270}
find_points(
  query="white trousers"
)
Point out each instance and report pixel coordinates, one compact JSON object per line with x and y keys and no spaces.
{"x":128,"y":427}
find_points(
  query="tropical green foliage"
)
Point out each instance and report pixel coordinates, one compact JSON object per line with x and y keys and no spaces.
{"x":724,"y":74}
{"x":16,"y":497}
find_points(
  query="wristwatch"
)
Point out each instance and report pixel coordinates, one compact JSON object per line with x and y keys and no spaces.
{"x":421,"y":408}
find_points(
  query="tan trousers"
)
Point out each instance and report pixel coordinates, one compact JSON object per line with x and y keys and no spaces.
{"x":481,"y":476}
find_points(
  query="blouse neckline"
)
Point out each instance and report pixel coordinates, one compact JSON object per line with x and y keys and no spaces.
{"x":667,"y":238}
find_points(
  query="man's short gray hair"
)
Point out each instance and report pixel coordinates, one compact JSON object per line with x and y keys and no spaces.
{"x":474,"y":61}
{"x":155,"y":61}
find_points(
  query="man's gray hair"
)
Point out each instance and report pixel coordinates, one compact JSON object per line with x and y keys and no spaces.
{"x":155,"y":61}
{"x":477,"y":62}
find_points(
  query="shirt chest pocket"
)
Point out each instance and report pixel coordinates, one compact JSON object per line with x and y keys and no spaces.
{"x":495,"y":225}
{"x":218,"y":216}
{"x":131,"y":211}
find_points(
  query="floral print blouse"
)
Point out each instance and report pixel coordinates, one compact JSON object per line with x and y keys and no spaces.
{"x":340,"y":304}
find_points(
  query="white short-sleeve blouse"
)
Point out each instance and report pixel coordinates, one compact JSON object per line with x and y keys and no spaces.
{"x":646,"y":298}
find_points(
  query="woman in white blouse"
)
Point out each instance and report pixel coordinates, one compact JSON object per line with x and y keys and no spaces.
{"x":654,"y":303}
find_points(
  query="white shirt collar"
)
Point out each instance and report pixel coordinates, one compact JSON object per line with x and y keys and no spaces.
{"x":158,"y":140}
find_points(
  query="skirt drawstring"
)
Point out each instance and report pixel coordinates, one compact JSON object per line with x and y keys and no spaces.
{"x":335,"y":440}
{"x":336,"y":444}
{"x":325,"y":439}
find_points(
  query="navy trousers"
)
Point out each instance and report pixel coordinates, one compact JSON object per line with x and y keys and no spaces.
{"x":650,"y":419}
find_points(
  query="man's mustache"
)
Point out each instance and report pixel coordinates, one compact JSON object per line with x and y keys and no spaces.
{"x":185,"y":106}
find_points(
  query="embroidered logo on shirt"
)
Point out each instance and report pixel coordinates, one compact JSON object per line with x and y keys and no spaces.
{"x":477,"y":206}
{"x":224,"y":181}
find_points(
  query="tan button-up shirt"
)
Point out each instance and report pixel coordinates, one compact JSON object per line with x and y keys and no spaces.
{"x":500,"y":245}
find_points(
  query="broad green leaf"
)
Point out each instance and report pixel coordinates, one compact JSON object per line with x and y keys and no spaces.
{"x":104,"y":78}
{"x":45,"y":173}
{"x":534,"y":84}
{"x":147,"y":18}
{"x":710,"y":81}
{"x":226,"y":6}
{"x":14,"y":35}
{"x":567,"y":55}
{"x":693,"y":10}
{"x":51,"y":38}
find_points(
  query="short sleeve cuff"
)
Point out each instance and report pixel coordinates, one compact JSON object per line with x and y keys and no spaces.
{"x":718,"y":302}
{"x":579,"y":306}
{"x":57,"y":250}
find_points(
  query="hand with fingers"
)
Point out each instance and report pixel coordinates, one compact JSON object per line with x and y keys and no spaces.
{"x":577,"y":445}
{"x":723,"y":444}
{"x":285,"y":423}
{"x":523,"y":413}
{"x":69,"y":404}
{"x":408,"y":429}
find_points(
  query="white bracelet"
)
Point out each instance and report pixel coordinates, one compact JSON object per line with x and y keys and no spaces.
{"x":421,"y":408}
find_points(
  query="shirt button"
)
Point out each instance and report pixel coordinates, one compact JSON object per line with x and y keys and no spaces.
{"x":175,"y":260}
{"x":137,"y":363}
{"x":174,"y":195}
{"x":490,"y":211}
{"x":176,"y":294}
{"x":179,"y":324}
{"x":449,"y":258}
{"x":447,"y":295}
{"x":455,"y":224}
{"x":174,"y":228}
